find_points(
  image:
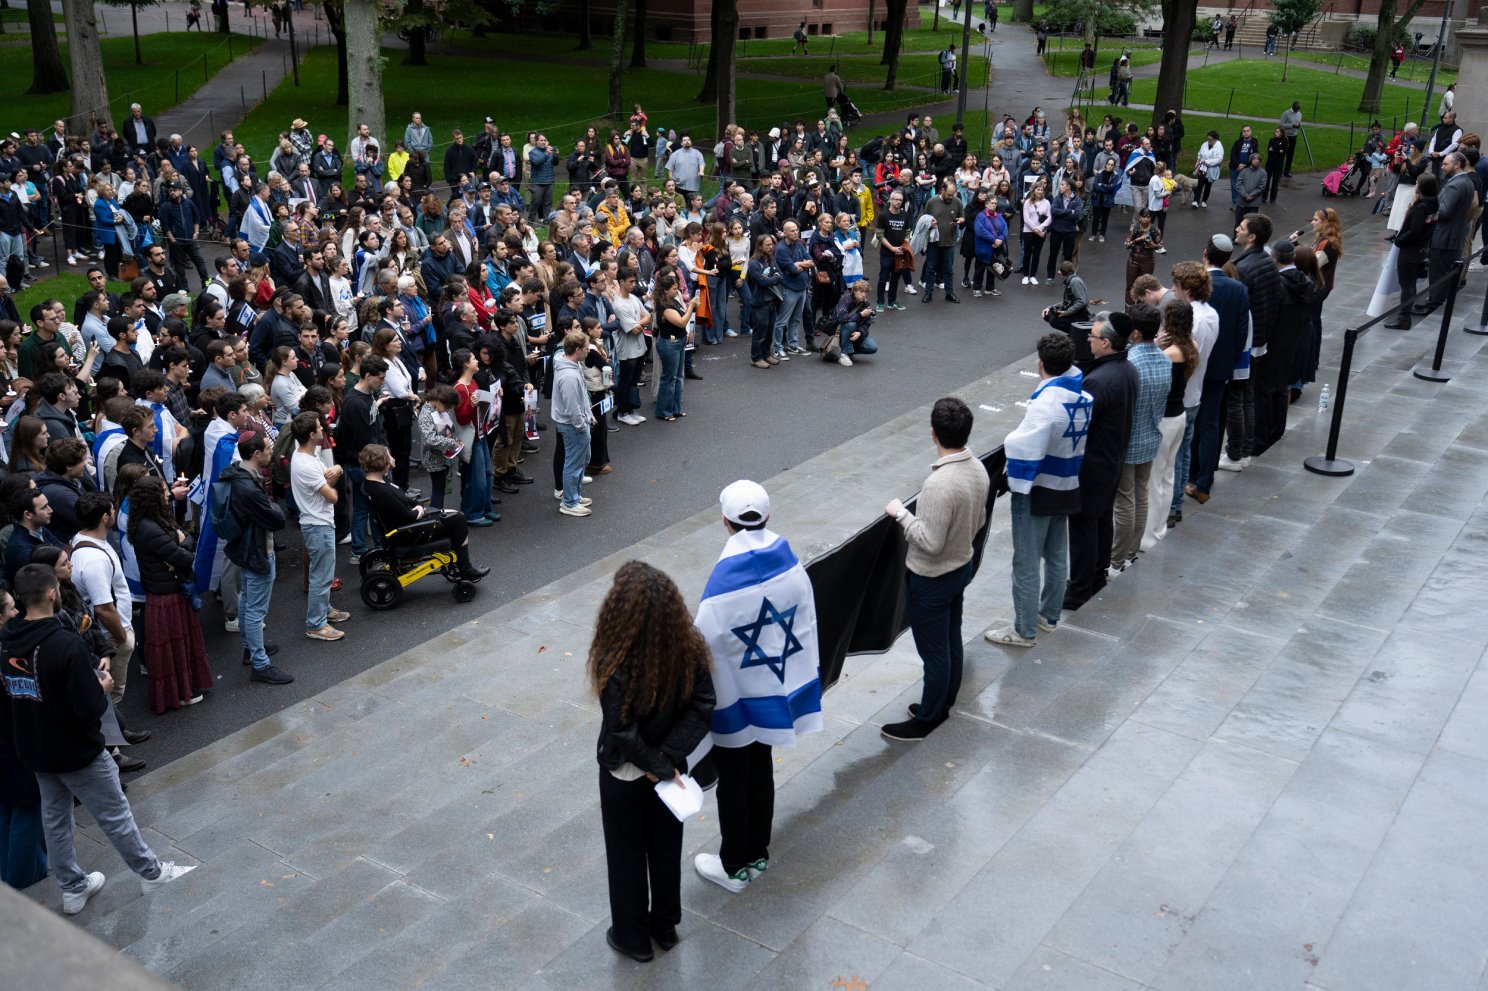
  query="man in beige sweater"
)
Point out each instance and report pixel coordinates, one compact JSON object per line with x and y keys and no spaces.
{"x":952,"y":508}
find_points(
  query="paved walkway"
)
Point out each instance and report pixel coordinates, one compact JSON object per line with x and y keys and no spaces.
{"x":1257,"y":760}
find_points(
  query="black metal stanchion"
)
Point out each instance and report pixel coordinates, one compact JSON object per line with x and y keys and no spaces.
{"x":1434,"y":372}
{"x":1330,"y":464}
{"x":1481,"y":327}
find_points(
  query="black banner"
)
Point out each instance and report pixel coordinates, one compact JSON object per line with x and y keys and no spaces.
{"x":859,"y":586}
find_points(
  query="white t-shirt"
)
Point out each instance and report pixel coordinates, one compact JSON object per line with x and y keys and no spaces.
{"x":306,"y":476}
{"x":99,"y":575}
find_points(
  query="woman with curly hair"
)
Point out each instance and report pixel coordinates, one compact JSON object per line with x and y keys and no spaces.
{"x":648,"y":665}
{"x":174,"y":653}
{"x":1327,"y":248}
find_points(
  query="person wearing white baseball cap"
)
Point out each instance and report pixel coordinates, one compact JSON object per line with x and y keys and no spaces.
{"x":758,"y":616}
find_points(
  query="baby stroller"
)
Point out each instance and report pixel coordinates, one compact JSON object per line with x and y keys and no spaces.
{"x":1349,"y":178}
{"x":848,"y":110}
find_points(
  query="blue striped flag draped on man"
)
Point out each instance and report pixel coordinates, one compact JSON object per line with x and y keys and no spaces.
{"x":758,"y":615}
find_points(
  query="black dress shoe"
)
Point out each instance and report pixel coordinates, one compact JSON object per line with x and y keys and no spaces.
{"x":529,"y":448}
{"x":136,"y":735}
{"x":502,"y":485}
{"x":1396,"y":324}
{"x":911,"y":730}
{"x":690,"y":374}
{"x":638,"y":956}
{"x":475,"y":572}
{"x":128,"y":764}
{"x":517,"y":477}
{"x":271,"y":675}
{"x":666,"y":938}
{"x":952,"y":299}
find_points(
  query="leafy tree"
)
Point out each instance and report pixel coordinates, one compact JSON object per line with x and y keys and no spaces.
{"x":1388,"y":28}
{"x":1022,"y":11}
{"x":134,"y":6}
{"x":48,"y":75}
{"x":1291,"y":16}
{"x":415,"y":18}
{"x":1099,"y":17}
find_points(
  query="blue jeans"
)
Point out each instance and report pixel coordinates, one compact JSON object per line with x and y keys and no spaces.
{"x":1207,"y":426}
{"x":23,"y":859}
{"x":1270,"y":46}
{"x":575,"y":457}
{"x":934,"y":608}
{"x":12,"y":246}
{"x":669,"y":382}
{"x":253,"y":608}
{"x":718,"y":297}
{"x":96,"y":785}
{"x":1185,"y":453}
{"x":788,"y":318}
{"x":320,"y":548}
{"x":475,"y":482}
{"x":863,"y":345}
{"x":1040,"y":543}
{"x":361,"y":512}
{"x":940,"y":266}
{"x":745,"y":302}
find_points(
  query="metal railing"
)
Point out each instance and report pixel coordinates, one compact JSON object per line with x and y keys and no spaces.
{"x":1329,"y":463}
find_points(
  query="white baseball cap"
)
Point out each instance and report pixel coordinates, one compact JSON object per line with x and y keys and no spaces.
{"x":745,"y":503}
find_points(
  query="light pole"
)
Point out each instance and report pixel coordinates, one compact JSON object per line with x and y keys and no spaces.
{"x":1436,"y":57}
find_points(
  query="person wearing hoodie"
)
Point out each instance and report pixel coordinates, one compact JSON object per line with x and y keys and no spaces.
{"x":573,"y":416}
{"x":55,"y":696}
{"x":258,"y":518}
{"x":61,"y":483}
{"x":59,"y":397}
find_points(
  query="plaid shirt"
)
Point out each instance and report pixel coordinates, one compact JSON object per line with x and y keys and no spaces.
{"x":1154,"y":379}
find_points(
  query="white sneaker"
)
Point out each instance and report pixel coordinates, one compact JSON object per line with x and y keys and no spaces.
{"x":911,"y":289}
{"x":587,"y":479}
{"x":1113,"y":570}
{"x":344,"y":540}
{"x":72,"y":259}
{"x":72,"y":904}
{"x":579,"y":510}
{"x":710,"y":868}
{"x":844,"y":361}
{"x":1161,"y":251}
{"x":1033,"y":280}
{"x":1044,"y":626}
{"x":1025,"y":280}
{"x":976,"y":294}
{"x":231,"y":625}
{"x":169,"y":871}
{"x":1008,"y":637}
{"x":1226,"y":464}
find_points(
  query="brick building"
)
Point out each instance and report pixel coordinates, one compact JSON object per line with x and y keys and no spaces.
{"x":687,"y":20}
{"x":1338,"y":17}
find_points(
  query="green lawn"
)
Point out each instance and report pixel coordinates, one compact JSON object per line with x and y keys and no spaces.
{"x":914,"y":70}
{"x":1259,"y":92}
{"x":560,"y":99}
{"x":168,"y":58}
{"x":65,"y":287}
{"x":1067,"y":62}
{"x":1411,"y":70}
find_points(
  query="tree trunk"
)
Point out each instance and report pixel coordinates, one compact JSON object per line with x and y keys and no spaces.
{"x":1179,"y":18}
{"x":894,"y":38}
{"x":585,"y":43}
{"x":870,"y":21}
{"x":710,"y":89}
{"x":134,"y":23}
{"x":418,"y":47}
{"x":364,"y":103}
{"x":617,"y":58}
{"x":725,"y":37}
{"x":48,"y":74}
{"x":1022,"y":11}
{"x":638,"y":29}
{"x":335,"y":19}
{"x":1386,"y":27}
{"x":89,"y":88}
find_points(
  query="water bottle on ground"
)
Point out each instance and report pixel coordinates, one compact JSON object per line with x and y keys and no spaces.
{"x":1323,"y":400}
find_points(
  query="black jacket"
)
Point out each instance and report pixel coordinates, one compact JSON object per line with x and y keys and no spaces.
{"x":164,"y":562}
{"x":357,"y":426}
{"x":1258,"y":273}
{"x":659,"y":743}
{"x":1290,"y":336}
{"x":257,"y":513}
{"x":1415,"y":234}
{"x":62,"y":494}
{"x":514,"y":377}
{"x":52,"y":696}
{"x":459,"y":160}
{"x":1112,"y":383}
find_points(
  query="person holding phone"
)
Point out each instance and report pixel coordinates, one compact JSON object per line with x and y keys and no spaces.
{"x":1142,"y":242}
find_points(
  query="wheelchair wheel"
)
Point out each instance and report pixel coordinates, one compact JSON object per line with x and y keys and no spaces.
{"x":464,"y":591}
{"x":381,"y":591}
{"x":375,"y":560}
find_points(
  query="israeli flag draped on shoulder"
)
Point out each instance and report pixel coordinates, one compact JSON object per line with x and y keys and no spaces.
{"x":758,"y":615}
{"x":1046,"y":449}
{"x":221,"y":443}
{"x":109,"y":439}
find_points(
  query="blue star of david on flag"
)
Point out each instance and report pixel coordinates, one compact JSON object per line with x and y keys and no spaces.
{"x":1079,"y":421}
{"x":750,"y":633}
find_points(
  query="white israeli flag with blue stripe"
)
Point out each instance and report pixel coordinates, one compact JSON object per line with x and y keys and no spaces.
{"x":758,"y":615}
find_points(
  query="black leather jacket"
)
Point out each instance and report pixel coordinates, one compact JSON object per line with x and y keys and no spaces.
{"x":657,"y":744}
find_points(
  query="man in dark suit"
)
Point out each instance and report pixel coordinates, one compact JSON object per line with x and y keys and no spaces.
{"x":1231,"y":301}
{"x":1112,"y":384}
{"x":138,"y":131}
{"x":315,"y":284}
{"x":1454,"y":207}
{"x":285,"y":264}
